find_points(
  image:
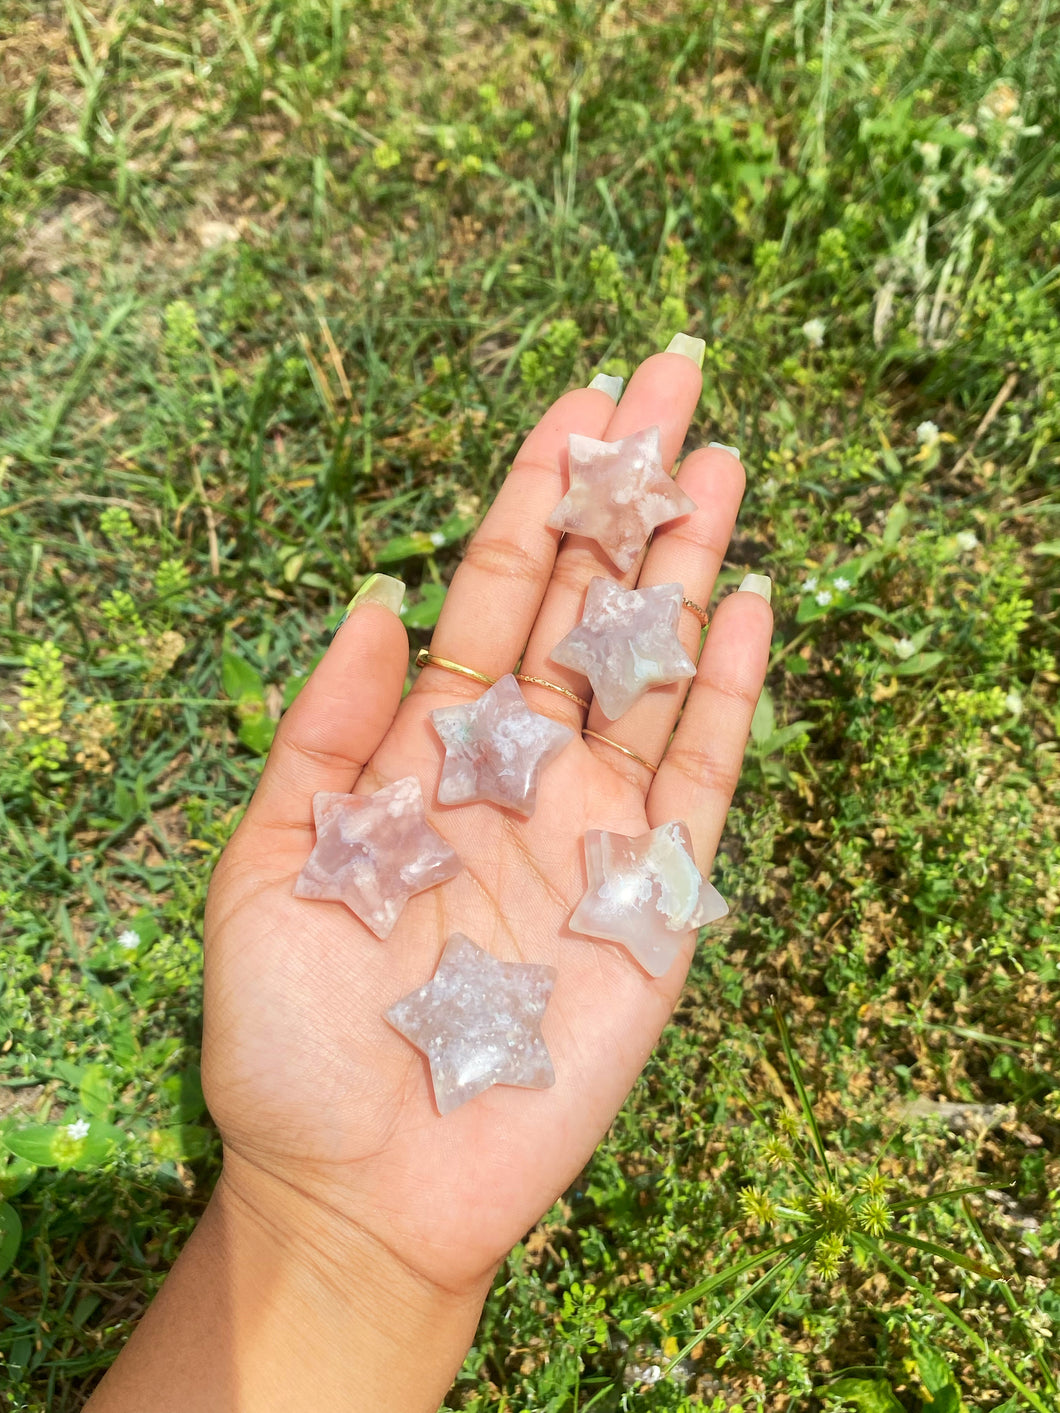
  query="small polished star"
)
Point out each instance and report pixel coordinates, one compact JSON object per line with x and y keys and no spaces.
{"x":626,"y":642}
{"x":373,"y":852}
{"x":619,"y":492}
{"x":496,"y":748}
{"x":478,"y":1021}
{"x":645,"y":893}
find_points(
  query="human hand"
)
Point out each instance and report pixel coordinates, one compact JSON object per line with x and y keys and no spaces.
{"x":307,"y":1082}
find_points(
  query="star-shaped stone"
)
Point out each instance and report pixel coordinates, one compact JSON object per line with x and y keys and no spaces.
{"x":618,"y":493}
{"x":645,"y":893}
{"x":626,"y":642}
{"x":496,"y":748}
{"x":373,"y":852}
{"x":478,"y":1021}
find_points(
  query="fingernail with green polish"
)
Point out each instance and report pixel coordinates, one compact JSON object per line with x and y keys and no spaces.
{"x":377,"y":588}
{"x":760,"y":584}
{"x":688,"y":347}
{"x":720,"y":446}
{"x":604,"y":382}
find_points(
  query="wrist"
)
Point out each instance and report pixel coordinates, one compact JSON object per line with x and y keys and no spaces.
{"x":276,"y":1304}
{"x":340,"y":1287}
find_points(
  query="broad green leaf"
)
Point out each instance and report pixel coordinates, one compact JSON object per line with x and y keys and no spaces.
{"x":184,"y":1092}
{"x":867,"y":1395}
{"x":407,"y":547}
{"x":425,"y":611}
{"x":914,"y":666}
{"x":181,"y":1144}
{"x":937,"y":1377}
{"x":1047,"y":547}
{"x":99,"y":1144}
{"x":257,"y":732}
{"x":241,"y":681}
{"x":897,"y":519}
{"x":783,"y":738}
{"x":96,"y":1090}
{"x":16,"y":1174}
{"x":10,"y":1236}
{"x":35,"y":1144}
{"x":763,"y":723}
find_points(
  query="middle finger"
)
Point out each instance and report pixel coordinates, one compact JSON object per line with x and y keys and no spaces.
{"x":663,"y":392}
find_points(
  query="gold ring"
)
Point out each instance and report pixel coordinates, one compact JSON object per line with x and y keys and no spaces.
{"x":700,"y":612}
{"x":624,"y":749}
{"x":425,"y":658}
{"x":553,"y":687}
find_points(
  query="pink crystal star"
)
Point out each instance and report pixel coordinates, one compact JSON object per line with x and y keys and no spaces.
{"x":496,"y":748}
{"x":645,"y":893}
{"x":373,"y":852}
{"x":626,"y":642}
{"x":478,"y":1021}
{"x":618,"y":493}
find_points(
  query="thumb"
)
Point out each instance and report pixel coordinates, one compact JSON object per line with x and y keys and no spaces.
{"x":342,"y":713}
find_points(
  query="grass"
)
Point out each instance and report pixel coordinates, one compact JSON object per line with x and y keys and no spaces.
{"x":284,"y":284}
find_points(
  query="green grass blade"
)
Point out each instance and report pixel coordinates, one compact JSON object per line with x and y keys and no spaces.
{"x":784,"y":1249}
{"x":955,"y":1258}
{"x":801,"y":1091}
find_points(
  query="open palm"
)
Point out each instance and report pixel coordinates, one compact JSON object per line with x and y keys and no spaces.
{"x":305,"y":1078}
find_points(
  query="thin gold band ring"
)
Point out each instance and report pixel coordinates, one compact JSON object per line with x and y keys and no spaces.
{"x":553,"y":687}
{"x":425,"y":658}
{"x":624,"y":749}
{"x":697,"y":609}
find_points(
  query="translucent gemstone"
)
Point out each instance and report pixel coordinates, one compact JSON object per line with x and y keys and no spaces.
{"x":478,"y":1021}
{"x":626,"y":642}
{"x":618,"y":493}
{"x":496,"y":748}
{"x":645,"y":893}
{"x":373,"y":852}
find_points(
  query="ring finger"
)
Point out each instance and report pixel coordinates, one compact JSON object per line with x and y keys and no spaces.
{"x":689,"y":553}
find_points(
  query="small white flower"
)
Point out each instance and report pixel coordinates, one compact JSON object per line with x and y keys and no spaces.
{"x":1014,"y":702}
{"x":77,"y":1130}
{"x":842,"y":584}
{"x":967,"y":540}
{"x":810,"y":584}
{"x":823,"y":597}
{"x":437,"y":539}
{"x":813,"y":332}
{"x":905,"y":648}
{"x":129,"y":940}
{"x":927,"y":434}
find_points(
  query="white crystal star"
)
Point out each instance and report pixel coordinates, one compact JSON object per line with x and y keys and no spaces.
{"x":626,"y":642}
{"x":496,"y":748}
{"x":373,"y":852}
{"x":645,"y":893}
{"x":478,"y":1021}
{"x":618,"y":494}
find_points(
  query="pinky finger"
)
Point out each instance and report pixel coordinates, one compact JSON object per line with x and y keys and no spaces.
{"x":698,"y":774}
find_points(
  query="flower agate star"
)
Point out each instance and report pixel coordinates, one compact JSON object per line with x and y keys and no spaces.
{"x":626,"y":642}
{"x":495,"y":748}
{"x":618,"y":493}
{"x":478,"y":1021}
{"x":373,"y":852}
{"x":645,"y":893}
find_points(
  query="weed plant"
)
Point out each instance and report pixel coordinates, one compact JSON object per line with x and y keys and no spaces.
{"x":284,"y":283}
